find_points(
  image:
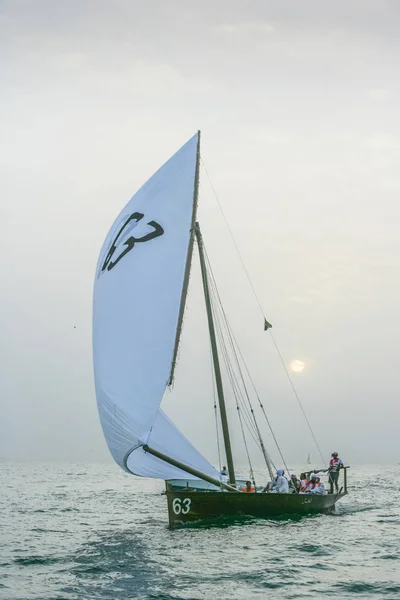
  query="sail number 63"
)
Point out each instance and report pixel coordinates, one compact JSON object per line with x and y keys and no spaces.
{"x":181,"y":506}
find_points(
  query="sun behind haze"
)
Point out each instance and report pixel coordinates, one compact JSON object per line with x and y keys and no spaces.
{"x":297,"y":366}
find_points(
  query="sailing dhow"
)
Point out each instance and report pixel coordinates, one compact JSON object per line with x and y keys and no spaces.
{"x":140,"y":289}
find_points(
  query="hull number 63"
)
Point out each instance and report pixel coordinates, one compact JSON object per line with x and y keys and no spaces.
{"x":181,"y":506}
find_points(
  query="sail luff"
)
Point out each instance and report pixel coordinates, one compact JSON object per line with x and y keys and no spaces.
{"x":188,"y":263}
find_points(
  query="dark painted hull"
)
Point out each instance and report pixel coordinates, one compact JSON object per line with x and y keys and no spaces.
{"x":188,"y":506}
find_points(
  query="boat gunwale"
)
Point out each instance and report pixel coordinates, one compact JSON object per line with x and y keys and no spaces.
{"x":209,"y":505}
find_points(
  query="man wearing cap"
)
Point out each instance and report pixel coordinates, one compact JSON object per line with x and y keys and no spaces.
{"x":335,"y":464}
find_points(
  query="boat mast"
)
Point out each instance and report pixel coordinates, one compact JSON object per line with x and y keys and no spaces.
{"x":217,"y":369}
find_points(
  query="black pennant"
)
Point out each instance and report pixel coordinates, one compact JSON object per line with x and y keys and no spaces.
{"x":266,"y":324}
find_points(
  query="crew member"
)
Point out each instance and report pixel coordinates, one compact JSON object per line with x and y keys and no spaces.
{"x":280,"y":484}
{"x":335,"y":464}
{"x":315,"y":486}
{"x":303,"y":483}
{"x":294,"y":484}
{"x":248,"y":488}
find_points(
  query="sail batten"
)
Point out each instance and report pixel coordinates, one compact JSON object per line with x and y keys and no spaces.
{"x":139,"y":296}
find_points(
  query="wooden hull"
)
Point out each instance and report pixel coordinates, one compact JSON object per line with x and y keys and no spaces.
{"x":188,"y":506}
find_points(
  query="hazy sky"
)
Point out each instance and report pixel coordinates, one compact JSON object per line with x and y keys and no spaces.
{"x":298,"y":107}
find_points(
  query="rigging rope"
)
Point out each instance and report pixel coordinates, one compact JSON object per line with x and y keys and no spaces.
{"x":232,"y":237}
{"x":261,"y":310}
{"x":225,"y":321}
{"x":215,"y":413}
{"x":232,"y":377}
{"x":231,"y":374}
{"x":233,"y":344}
{"x":261,"y":405}
{"x":236,"y":394}
{"x":246,"y":447}
{"x":298,"y":399}
{"x":217,"y":304}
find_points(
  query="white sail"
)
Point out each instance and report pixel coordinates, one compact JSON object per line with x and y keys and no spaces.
{"x":140,"y":281}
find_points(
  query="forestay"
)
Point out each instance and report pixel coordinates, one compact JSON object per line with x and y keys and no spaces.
{"x":140,"y":281}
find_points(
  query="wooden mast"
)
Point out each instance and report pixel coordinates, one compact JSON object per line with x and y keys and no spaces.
{"x":217,"y":369}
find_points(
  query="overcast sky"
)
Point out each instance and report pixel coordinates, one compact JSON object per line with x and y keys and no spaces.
{"x":298,"y":107}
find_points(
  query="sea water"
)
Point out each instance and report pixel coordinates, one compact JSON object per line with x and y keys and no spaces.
{"x":90,"y":531}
